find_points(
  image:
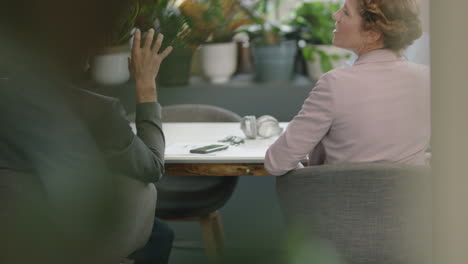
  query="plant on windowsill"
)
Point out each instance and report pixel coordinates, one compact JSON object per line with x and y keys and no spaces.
{"x":179,"y":31}
{"x":221,"y":18}
{"x":273,"y":48}
{"x":315,"y":23}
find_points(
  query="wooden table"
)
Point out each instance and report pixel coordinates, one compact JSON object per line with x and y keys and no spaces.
{"x":244,"y":159}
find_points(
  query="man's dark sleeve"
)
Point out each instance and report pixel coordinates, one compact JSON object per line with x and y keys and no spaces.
{"x":149,"y":130}
{"x":140,"y":156}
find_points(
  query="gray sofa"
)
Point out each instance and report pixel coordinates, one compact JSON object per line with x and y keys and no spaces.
{"x":358,"y":213}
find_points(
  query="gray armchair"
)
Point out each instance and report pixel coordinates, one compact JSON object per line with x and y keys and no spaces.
{"x":367,"y":213}
{"x":187,"y":198}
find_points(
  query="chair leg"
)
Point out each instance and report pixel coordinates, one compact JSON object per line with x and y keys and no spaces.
{"x":218,"y":231}
{"x":206,"y":223}
{"x":212,"y":232}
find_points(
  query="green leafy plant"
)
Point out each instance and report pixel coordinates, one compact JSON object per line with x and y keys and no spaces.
{"x":315,"y":23}
{"x":179,"y":30}
{"x":311,"y":53}
{"x":219,"y":17}
{"x":176,"y":29}
{"x":267,"y":28}
{"x":149,"y":11}
{"x":121,"y":33}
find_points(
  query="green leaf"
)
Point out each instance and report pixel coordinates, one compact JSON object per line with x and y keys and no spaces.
{"x":264,"y":13}
{"x":308,"y":53}
{"x":325,"y":61}
{"x":121,"y":34}
{"x":317,"y":19}
{"x":335,"y":57}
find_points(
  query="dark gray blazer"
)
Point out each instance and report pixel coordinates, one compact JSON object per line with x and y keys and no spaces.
{"x":140,"y":156}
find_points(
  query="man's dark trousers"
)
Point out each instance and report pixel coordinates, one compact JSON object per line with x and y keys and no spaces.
{"x":158,"y":248}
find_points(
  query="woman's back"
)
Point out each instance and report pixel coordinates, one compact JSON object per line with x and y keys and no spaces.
{"x":378,"y":110}
{"x":381,"y":111}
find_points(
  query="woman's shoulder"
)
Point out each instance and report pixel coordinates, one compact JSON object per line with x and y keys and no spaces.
{"x":337,"y":75}
{"x":418,"y":66}
{"x":365,"y":71}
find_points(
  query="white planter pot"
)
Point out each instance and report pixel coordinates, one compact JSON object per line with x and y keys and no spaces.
{"x":219,"y":61}
{"x":110,"y":67}
{"x":314,"y":69}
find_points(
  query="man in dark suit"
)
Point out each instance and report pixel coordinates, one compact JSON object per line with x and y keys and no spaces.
{"x":142,"y":155}
{"x":57,"y":158}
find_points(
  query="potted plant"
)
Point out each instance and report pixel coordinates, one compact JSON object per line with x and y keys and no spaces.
{"x":273,"y":49}
{"x":221,"y":18}
{"x":110,"y":65}
{"x":315,"y":24}
{"x":179,"y":31}
{"x":166,"y":19}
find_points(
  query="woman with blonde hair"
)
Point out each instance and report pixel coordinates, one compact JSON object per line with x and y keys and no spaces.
{"x":377,"y":110}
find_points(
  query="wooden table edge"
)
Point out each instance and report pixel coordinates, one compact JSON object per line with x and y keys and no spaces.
{"x":215,"y":169}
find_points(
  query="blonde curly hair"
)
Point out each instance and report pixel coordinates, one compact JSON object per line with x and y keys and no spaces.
{"x":398,"y":20}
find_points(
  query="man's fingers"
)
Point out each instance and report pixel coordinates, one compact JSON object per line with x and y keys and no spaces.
{"x":136,"y":41}
{"x":149,"y":39}
{"x":166,"y":52}
{"x":158,"y":43}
